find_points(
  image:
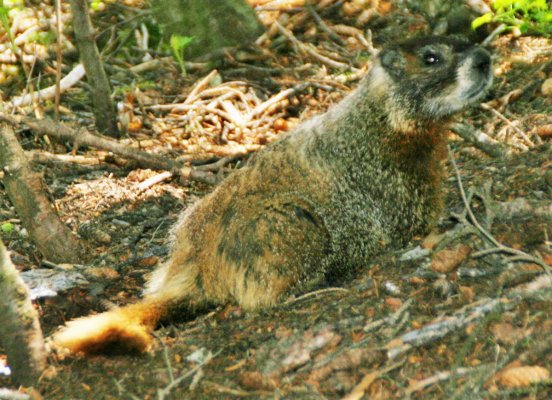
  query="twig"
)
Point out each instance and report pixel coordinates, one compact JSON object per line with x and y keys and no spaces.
{"x":162,"y":393}
{"x":481,"y":140}
{"x":39,"y":156}
{"x":316,"y":293}
{"x":440,"y":377}
{"x":154,"y":180}
{"x":508,"y":122}
{"x":200,"y":86}
{"x":497,"y":31}
{"x":67,"y":82}
{"x":277,"y":98}
{"x":390,"y":319}
{"x":499,"y":247}
{"x":83,"y":137}
{"x":474,"y":221}
{"x":308,"y":49}
{"x":166,"y":358}
{"x":359,"y":390}
{"x":219,"y":164}
{"x":320,"y":22}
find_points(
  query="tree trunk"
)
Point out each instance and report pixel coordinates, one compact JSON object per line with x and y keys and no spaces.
{"x":214,"y":24}
{"x":26,"y":191}
{"x":104,"y":110}
{"x":20,"y":332}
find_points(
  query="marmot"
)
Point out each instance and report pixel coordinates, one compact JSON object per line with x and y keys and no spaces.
{"x":321,"y":201}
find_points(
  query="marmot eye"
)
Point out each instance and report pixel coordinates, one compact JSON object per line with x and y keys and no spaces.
{"x":431,"y":58}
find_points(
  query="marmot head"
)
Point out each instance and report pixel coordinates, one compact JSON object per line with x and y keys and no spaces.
{"x":432,"y":77}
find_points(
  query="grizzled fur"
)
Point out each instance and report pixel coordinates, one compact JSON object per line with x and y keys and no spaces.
{"x":336,"y":191}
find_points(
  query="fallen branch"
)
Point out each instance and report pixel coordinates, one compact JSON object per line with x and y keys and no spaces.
{"x":83,"y":137}
{"x":20,"y":333}
{"x":481,"y":140}
{"x":469,"y":314}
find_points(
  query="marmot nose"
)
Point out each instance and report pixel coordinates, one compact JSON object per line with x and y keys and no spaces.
{"x":481,"y":60}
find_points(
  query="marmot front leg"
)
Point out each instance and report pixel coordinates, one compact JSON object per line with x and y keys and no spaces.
{"x":264,"y":252}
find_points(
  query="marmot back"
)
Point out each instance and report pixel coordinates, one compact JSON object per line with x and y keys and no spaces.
{"x":320,"y":202}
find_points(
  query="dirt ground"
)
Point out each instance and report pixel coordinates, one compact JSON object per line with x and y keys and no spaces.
{"x":452,"y":316}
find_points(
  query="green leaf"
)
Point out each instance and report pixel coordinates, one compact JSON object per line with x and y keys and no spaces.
{"x":501,"y":5}
{"x":179,"y":43}
{"x":7,"y":227}
{"x":482,"y":20}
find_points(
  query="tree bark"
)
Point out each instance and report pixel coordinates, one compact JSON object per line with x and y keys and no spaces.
{"x":27,"y":193}
{"x":104,"y":109}
{"x":20,"y":332}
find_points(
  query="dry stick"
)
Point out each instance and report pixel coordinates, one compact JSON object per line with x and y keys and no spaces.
{"x":469,"y":314}
{"x":200,"y":86}
{"x":67,"y":82}
{"x":316,"y":293}
{"x":320,"y":22}
{"x":277,"y":98}
{"x":154,"y":180}
{"x":508,"y":122}
{"x":481,"y":140}
{"x":308,"y":49}
{"x":162,"y":393}
{"x":83,"y":137}
{"x":439,"y":377}
{"x":44,"y":157}
{"x":359,"y":390}
{"x":20,"y":333}
{"x":27,"y":193}
{"x":390,"y":319}
{"x":219,"y":164}
{"x":499,"y":247}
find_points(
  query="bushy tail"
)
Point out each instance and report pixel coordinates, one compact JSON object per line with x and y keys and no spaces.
{"x":125,"y":329}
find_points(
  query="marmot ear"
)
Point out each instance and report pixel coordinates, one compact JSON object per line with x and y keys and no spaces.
{"x":392,"y":60}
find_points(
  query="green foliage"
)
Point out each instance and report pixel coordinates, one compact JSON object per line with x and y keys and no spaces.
{"x":529,"y":16}
{"x":45,"y":38}
{"x":5,"y":19}
{"x":178,"y":44}
{"x":6,"y":228}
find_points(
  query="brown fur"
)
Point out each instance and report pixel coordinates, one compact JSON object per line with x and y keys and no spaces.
{"x":315,"y":205}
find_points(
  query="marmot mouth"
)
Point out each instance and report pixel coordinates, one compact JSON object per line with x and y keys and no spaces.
{"x":479,"y":89}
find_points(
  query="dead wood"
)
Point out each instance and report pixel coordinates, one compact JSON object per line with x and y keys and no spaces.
{"x":481,"y":140}
{"x":27,"y":193}
{"x":472,"y":313}
{"x":20,"y":332}
{"x":67,"y":82}
{"x":83,"y":137}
